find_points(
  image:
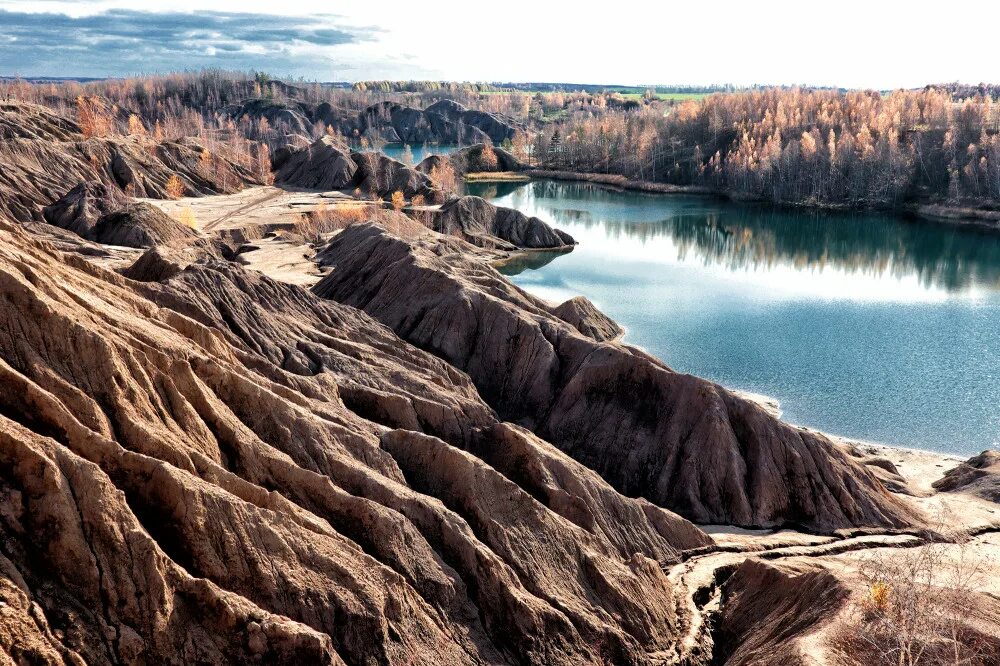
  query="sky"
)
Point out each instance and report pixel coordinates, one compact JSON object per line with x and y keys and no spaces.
{"x":879,"y":44}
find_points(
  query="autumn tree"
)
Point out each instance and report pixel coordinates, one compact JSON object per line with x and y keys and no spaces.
{"x":95,"y":119}
{"x":135,"y":126}
{"x":521,"y":146}
{"x":488,"y":157}
{"x":398,"y":200}
{"x":175,"y":188}
{"x":443,"y":177}
{"x":263,"y":164}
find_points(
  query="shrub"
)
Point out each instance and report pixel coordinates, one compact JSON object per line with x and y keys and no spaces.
{"x":135,"y":126}
{"x":444,"y":178}
{"x":95,"y":120}
{"x":918,"y":608}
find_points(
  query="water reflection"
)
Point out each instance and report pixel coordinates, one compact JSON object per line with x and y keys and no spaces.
{"x":752,"y":237}
{"x":862,"y":325}
{"x":530,"y":261}
{"x":419,"y":151}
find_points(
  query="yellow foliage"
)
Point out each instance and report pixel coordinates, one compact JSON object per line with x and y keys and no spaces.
{"x":94,"y":117}
{"x":443,"y":176}
{"x":878,"y":597}
{"x":175,"y":187}
{"x":135,"y":126}
{"x":187,"y":218}
{"x":398,"y":200}
{"x":488,"y":158}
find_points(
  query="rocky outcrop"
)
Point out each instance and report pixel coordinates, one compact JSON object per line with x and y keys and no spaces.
{"x":47,"y":156}
{"x":288,"y":118}
{"x":497,"y":129}
{"x":19,"y":120}
{"x":162,"y":262}
{"x":322,"y":166}
{"x":470,"y":160}
{"x":679,"y":441}
{"x":443,"y":122}
{"x":220,"y":468}
{"x":582,"y":315}
{"x":326,"y":166}
{"x":979,"y":475}
{"x":140,"y":225}
{"x":103,"y":215}
{"x":80,"y":209}
{"x":481,"y":223}
{"x":382,"y":176}
{"x":769,"y":612}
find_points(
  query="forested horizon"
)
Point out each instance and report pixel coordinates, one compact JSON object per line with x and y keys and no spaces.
{"x":823,"y":147}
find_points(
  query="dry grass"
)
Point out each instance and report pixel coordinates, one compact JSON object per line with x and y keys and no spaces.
{"x":921,"y":608}
{"x":328,"y":218}
{"x":496,"y":176}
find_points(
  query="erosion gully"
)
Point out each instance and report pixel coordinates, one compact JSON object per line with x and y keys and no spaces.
{"x":702,"y":573}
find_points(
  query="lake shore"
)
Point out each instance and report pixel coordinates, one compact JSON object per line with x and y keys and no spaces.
{"x":920,"y":467}
{"x":953,"y":215}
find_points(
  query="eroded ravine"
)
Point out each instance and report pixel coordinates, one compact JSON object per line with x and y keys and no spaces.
{"x":700,"y":578}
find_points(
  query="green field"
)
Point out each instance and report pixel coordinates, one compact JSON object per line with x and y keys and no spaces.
{"x":675,"y":97}
{"x":627,"y":93}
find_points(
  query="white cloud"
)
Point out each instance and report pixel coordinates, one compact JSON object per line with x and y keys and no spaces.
{"x":853,"y":43}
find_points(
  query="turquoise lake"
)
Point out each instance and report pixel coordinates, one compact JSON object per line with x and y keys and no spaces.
{"x":420,"y":151}
{"x":863,"y":325}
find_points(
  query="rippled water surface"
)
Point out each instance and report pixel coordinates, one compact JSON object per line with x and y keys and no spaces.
{"x":864,"y":325}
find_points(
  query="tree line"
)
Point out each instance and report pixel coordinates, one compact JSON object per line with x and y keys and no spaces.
{"x":796,"y":145}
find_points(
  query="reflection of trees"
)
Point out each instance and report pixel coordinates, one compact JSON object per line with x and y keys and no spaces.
{"x":493,"y":190}
{"x":752,"y":236}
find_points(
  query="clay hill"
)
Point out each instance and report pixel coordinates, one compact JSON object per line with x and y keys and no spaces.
{"x":222,"y":468}
{"x":45,"y":155}
{"x":679,"y":441}
{"x":480,"y":223}
{"x":979,"y":475}
{"x":413,"y":462}
{"x":470,"y":160}
{"x":323,"y":165}
{"x":97,"y":213}
{"x":445,"y":121}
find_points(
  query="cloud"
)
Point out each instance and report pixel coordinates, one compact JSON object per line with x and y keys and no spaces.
{"x":124,"y":41}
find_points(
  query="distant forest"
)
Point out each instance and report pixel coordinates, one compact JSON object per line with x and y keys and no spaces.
{"x":804,"y":146}
{"x":799,"y":146}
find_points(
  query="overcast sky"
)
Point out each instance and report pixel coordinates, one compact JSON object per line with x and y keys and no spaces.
{"x":851,"y":43}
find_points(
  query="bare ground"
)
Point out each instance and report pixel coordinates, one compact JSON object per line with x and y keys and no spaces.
{"x":282,"y":254}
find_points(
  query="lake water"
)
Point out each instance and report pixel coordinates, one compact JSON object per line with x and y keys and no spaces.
{"x":420,"y":151}
{"x":863,"y":325}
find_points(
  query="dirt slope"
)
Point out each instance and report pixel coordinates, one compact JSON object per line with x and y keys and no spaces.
{"x":220,"y":468}
{"x":679,"y":441}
